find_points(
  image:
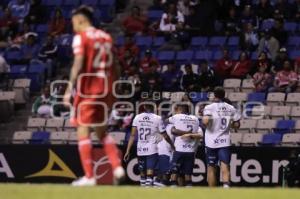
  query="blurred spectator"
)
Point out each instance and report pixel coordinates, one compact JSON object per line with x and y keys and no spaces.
{"x":172,"y":25}
{"x":279,"y":33}
{"x":171,"y":78}
{"x":279,"y":61}
{"x":36,"y":14}
{"x":262,"y":61}
{"x":60,"y":110}
{"x":284,"y":7}
{"x":48,"y":49}
{"x":297,"y":65}
{"x":242,"y":67}
{"x":184,"y":7}
{"x":192,"y":23}
{"x":297,"y":9}
{"x":147,"y":61}
{"x":129,"y":45}
{"x":156,"y":5}
{"x":57,"y":24}
{"x":224,"y":65}
{"x":286,"y":80}
{"x":264,"y":10}
{"x":186,"y":98}
{"x":248,"y":17}
{"x":249,"y":38}
{"x":151,"y":82}
{"x":4,"y":67}
{"x":262,"y":79}
{"x":43,"y":104}
{"x":207,"y":77}
{"x":269,"y":44}
{"x":171,"y":19}
{"x":190,"y":81}
{"x":119,"y":119}
{"x":128,"y":60}
{"x":135,"y":22}
{"x":30,"y":49}
{"x":19,"y":8}
{"x":8,"y":24}
{"x":231,"y":23}
{"x":19,"y":38}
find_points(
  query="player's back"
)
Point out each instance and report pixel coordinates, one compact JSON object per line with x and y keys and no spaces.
{"x":95,"y":46}
{"x":221,"y":115}
{"x":148,"y":125}
{"x":185,"y":122}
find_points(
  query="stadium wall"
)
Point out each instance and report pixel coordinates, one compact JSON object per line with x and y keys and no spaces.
{"x":250,"y":166}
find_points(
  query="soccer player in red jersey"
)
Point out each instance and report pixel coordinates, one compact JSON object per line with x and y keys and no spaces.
{"x":92,"y":75}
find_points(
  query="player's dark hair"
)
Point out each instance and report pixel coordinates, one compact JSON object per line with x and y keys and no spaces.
{"x":184,"y":107}
{"x":84,"y":10}
{"x":219,"y":93}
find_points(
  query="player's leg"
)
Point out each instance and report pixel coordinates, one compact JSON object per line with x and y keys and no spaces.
{"x":211,"y":161}
{"x":175,"y":165}
{"x":188,"y":166}
{"x":142,"y":169}
{"x":85,"y":151}
{"x":151,"y":163}
{"x":224,"y":157}
{"x":164,"y":167}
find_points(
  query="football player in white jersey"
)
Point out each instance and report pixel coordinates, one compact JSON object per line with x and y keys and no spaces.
{"x":218,"y":118}
{"x":147,"y":125}
{"x":186,"y":132}
{"x":165,"y":152}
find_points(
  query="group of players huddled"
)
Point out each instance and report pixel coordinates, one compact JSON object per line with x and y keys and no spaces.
{"x":166,"y":149}
{"x":174,"y":152}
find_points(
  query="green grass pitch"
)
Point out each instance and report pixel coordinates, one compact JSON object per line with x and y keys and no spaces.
{"x":46,"y":191}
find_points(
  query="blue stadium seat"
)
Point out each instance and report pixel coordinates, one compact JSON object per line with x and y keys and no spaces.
{"x":91,"y":2}
{"x":36,"y":72}
{"x":217,"y":55}
{"x":107,"y":2}
{"x":256,"y":97}
{"x":285,"y":126}
{"x":158,"y":42}
{"x":184,"y":56}
{"x":236,"y":55}
{"x":199,"y":97}
{"x":290,"y":26}
{"x":294,"y":54}
{"x":52,"y":2}
{"x":42,"y":28}
{"x":18,"y":71}
{"x":120,"y":40}
{"x":40,"y":137}
{"x":293,"y":41}
{"x":217,"y":41}
{"x":13,"y":55}
{"x":155,"y":15}
{"x":233,"y":41}
{"x":143,"y":41}
{"x":254,"y":55}
{"x":271,"y":139}
{"x":203,"y":54}
{"x":71,"y":3}
{"x":199,"y":42}
{"x":165,"y":56}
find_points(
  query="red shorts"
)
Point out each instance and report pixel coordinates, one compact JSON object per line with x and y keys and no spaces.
{"x":92,"y":112}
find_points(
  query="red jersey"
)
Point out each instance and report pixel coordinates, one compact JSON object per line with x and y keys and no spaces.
{"x":96,"y":47}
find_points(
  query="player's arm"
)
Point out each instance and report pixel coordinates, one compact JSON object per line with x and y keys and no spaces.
{"x":178,"y":132}
{"x":130,"y":143}
{"x":206,"y":120}
{"x":168,"y":139}
{"x":235,"y":124}
{"x":75,"y":71}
